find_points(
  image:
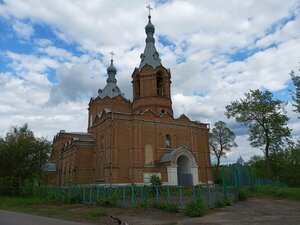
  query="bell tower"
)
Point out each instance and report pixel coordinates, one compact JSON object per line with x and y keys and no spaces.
{"x":151,"y":81}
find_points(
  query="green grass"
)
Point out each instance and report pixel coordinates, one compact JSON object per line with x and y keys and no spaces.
{"x":14,"y":203}
{"x":290,"y":193}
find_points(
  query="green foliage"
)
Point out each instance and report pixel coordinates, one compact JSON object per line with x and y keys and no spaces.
{"x":107,"y":202}
{"x":277,"y":192}
{"x":22,"y":156}
{"x":220,"y":203}
{"x":227,"y":201}
{"x":164,"y":205}
{"x":285,"y":165}
{"x":22,"y":202}
{"x":266,"y":119}
{"x":155,"y":180}
{"x":242,"y":194}
{"x":296,"y":94}
{"x":196,"y":208}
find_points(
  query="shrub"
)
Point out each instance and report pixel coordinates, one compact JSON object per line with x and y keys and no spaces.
{"x":155,"y":180}
{"x":107,"y":202}
{"x":220,"y":203}
{"x":196,"y":208}
{"x":169,"y":207}
{"x":242,"y":195}
{"x":227,"y":201}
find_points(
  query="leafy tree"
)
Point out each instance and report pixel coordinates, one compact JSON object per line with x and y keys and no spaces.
{"x":22,"y":156}
{"x":296,"y":94}
{"x":221,"y":140}
{"x":266,"y":119}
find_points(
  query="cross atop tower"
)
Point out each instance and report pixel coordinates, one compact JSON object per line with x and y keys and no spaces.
{"x":149,"y":8}
{"x":112,"y":55}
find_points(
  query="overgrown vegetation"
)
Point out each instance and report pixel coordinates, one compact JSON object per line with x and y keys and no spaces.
{"x":164,"y":205}
{"x":277,"y":192}
{"x":196,"y":208}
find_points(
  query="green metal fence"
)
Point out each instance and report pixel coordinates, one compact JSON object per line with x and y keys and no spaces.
{"x":231,"y":178}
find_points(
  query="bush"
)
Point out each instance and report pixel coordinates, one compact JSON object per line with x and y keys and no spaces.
{"x":107,"y":202}
{"x":196,"y":208}
{"x":242,"y":195}
{"x":169,"y":207}
{"x":155,"y":180}
{"x":220,"y":203}
{"x":227,"y":201}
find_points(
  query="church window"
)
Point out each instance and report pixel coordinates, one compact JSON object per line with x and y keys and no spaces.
{"x":137,"y":88}
{"x":101,"y":143}
{"x":168,"y":141}
{"x":101,"y":169}
{"x":160,"y":84}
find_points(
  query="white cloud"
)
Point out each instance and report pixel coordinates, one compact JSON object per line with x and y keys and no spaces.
{"x":23,"y":30}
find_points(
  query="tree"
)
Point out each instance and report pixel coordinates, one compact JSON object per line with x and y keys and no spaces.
{"x":221,"y":140}
{"x":266,"y":119}
{"x":296,"y":93}
{"x":22,"y":156}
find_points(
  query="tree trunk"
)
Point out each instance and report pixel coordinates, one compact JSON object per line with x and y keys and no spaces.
{"x":269,"y":167}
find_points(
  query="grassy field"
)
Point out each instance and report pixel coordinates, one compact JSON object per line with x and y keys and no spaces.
{"x":289,"y":193}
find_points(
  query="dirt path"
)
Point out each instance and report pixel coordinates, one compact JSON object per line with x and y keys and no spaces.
{"x":253,"y":211}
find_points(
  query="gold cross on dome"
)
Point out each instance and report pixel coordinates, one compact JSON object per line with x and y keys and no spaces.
{"x":149,"y":8}
{"x":112,"y":55}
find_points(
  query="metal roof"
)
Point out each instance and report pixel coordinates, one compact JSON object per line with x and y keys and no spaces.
{"x":111,"y":89}
{"x":150,"y":56}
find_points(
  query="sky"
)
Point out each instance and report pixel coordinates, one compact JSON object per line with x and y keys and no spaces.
{"x":54,"y":55}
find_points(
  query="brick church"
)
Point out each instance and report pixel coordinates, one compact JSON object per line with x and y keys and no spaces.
{"x":128,"y":141}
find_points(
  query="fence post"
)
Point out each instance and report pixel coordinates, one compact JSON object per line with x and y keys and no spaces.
{"x":209,"y":196}
{"x":157,"y":194}
{"x":91,"y":195}
{"x":97,"y":195}
{"x":123,"y":196}
{"x":224,"y":184}
{"x":69,"y":194}
{"x":83,"y":198}
{"x":180,"y":197}
{"x":168,"y":193}
{"x":132,"y":195}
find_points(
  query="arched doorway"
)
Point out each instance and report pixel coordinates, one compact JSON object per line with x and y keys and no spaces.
{"x":184,"y":174}
{"x":182,"y":168}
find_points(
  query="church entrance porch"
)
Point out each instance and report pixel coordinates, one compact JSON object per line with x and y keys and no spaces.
{"x":182,"y":168}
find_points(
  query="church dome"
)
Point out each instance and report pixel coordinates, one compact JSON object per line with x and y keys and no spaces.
{"x":111,"y":69}
{"x":149,"y":28}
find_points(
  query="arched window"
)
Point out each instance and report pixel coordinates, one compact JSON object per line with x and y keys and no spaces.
{"x":101,"y":143}
{"x":137,"y":88}
{"x":160,"y":84}
{"x":168,"y":141}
